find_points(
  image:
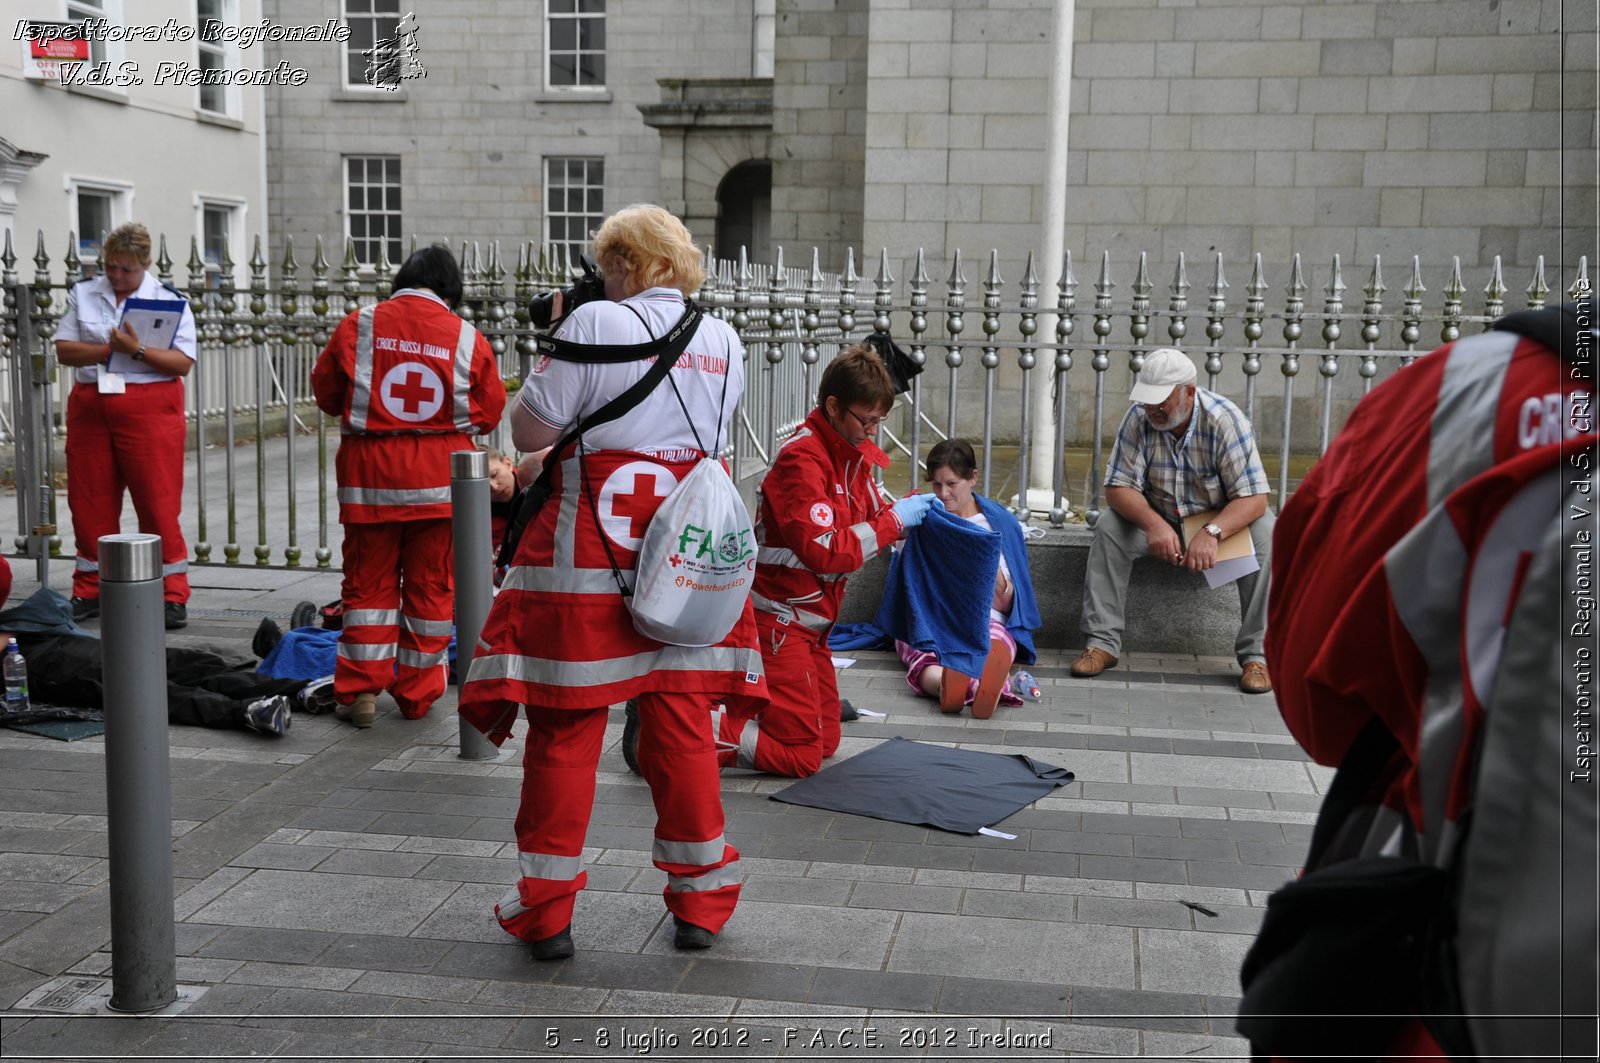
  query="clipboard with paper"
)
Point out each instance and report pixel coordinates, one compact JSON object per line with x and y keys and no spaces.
{"x":1236,"y":555}
{"x":154,"y":321}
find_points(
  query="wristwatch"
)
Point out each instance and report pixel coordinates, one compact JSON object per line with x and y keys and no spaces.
{"x":138,"y":355}
{"x":1214,"y":531}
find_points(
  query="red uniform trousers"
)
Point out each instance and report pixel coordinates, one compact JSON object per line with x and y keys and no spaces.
{"x":399,"y":609}
{"x":131,"y":442}
{"x":677,"y":758}
{"x":799,"y":728}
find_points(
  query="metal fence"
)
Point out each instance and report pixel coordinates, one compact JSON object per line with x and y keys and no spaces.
{"x":1030,"y":365}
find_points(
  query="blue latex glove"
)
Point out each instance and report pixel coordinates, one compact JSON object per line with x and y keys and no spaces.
{"x":913,"y":508}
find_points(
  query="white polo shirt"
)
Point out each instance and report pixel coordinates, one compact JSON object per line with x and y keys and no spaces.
{"x":560,"y":393}
{"x":92,"y":315}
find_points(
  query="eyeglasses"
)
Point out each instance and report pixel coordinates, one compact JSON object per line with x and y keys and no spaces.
{"x":869,"y":424}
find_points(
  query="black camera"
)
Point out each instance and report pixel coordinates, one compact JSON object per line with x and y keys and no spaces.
{"x":589,"y":287}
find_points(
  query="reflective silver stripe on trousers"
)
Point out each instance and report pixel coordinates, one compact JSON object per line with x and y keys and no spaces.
{"x":175,"y":568}
{"x":869,"y":540}
{"x":748,"y":738}
{"x":415,"y":659}
{"x":1462,"y":443}
{"x":85,"y":565}
{"x":418,"y":626}
{"x":694,"y":854}
{"x":550,"y":867}
{"x":361,"y":381}
{"x":366,"y":651}
{"x":393,"y":496}
{"x":610,"y":670}
{"x":371,"y":618}
{"x":567,"y":580}
{"x":715,"y":879}
{"x":510,"y":905}
{"x":463,"y":377}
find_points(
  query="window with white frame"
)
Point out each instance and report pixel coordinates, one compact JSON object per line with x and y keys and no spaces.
{"x":96,"y":207}
{"x":100,"y":50}
{"x":575,"y":44}
{"x":94,"y":220}
{"x":370,"y":21}
{"x":764,"y":33}
{"x":372,"y":206}
{"x":220,"y":226}
{"x":213,"y":17}
{"x":574,"y":199}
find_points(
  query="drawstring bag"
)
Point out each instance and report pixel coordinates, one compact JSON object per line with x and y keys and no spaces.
{"x":696,"y":563}
{"x":697,"y":559}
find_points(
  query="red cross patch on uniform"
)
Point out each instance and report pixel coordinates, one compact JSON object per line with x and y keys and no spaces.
{"x":411,"y":392}
{"x":822,"y":515}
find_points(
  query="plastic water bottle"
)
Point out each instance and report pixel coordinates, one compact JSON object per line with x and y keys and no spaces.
{"x":1027,"y":685}
{"x":16,"y":670}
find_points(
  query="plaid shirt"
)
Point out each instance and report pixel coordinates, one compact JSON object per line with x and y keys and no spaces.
{"x":1215,"y":461}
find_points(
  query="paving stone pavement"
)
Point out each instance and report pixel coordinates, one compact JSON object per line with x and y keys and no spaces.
{"x":334,"y":888}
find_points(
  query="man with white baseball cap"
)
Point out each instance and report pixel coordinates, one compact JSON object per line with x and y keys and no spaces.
{"x":1180,"y":450}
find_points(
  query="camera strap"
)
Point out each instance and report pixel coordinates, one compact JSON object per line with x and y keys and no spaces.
{"x":608,"y":353}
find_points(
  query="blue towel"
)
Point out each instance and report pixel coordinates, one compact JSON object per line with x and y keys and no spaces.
{"x":302,"y":653}
{"x":939,"y":588}
{"x":310,"y":652}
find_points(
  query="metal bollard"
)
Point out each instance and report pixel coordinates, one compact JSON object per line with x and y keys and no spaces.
{"x":144,"y":966}
{"x":470,"y":526}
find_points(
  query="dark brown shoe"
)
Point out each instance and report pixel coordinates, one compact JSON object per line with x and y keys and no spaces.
{"x":1091,"y":662}
{"x":1255,"y":679}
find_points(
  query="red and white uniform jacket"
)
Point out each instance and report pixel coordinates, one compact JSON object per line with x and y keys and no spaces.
{"x":411,"y":382}
{"x":1399,"y":567}
{"x":821,"y":516}
{"x":559,"y":634}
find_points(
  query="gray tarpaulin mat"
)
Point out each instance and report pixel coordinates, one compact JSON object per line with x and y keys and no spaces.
{"x":958,"y":790}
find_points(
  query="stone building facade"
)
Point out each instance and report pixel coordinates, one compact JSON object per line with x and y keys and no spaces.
{"x":513,"y":101}
{"x":1434,"y":128}
{"x":1438,"y":129}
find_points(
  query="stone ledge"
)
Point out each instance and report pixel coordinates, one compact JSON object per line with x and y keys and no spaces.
{"x":1170,"y":610}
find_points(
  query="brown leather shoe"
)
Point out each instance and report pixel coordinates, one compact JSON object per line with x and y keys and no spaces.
{"x":1091,"y":662}
{"x":1255,"y":679}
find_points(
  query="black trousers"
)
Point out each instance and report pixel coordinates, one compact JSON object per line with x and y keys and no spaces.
{"x":204,"y":689}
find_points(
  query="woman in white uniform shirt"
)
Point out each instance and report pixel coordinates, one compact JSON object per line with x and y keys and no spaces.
{"x":125,"y":423}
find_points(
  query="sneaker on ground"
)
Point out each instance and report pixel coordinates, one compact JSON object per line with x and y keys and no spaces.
{"x":177,"y":615}
{"x":269,"y":715}
{"x":85,"y":608}
{"x":316,"y":697}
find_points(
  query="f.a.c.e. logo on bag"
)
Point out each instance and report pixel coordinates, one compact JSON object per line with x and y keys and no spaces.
{"x":696,"y":561}
{"x":695,"y":546}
